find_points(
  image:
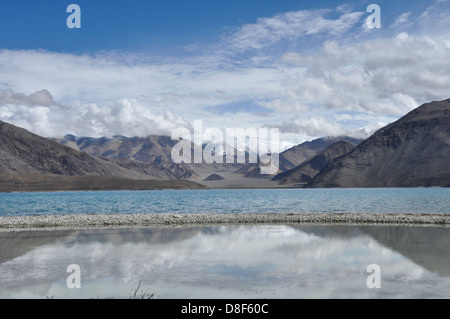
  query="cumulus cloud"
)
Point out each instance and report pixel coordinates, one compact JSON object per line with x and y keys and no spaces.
{"x":380,"y":76}
{"x":291,"y":26}
{"x":311,"y":126}
{"x":402,"y":19}
{"x":39,"y":113}
{"x":93,"y":85}
{"x":307,"y":89}
{"x":40,"y":98}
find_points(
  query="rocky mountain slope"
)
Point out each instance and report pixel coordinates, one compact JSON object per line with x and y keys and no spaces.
{"x":22,"y":152}
{"x":143,"y":155}
{"x":26,"y":157}
{"x":306,"y":171}
{"x":413,"y":151}
{"x":152,"y":150}
{"x":298,"y":154}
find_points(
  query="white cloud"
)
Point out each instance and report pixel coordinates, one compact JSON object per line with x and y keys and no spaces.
{"x":311,"y":125}
{"x":386,"y":76}
{"x":42,"y":98}
{"x":378,"y":77}
{"x":435,"y":21}
{"x":119,"y":117}
{"x":401,"y":20}
{"x":291,"y":26}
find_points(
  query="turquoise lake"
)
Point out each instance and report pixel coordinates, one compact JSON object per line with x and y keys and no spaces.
{"x":378,"y":200}
{"x":247,"y":261}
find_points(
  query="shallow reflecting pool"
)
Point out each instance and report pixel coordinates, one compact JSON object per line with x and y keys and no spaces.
{"x":228,"y":262}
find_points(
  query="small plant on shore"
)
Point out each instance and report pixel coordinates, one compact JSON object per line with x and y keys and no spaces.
{"x":140,"y":294}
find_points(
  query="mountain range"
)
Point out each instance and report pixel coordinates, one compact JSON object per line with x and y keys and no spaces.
{"x":138,"y":152}
{"x":306,"y":171}
{"x":149,"y":156}
{"x":26,"y":157}
{"x":412,"y":151}
{"x":297,"y":155}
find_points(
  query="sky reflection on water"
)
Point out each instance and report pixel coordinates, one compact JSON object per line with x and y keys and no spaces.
{"x":229,"y":262}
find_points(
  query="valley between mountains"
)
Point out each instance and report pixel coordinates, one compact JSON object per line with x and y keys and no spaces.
{"x":413,"y":151}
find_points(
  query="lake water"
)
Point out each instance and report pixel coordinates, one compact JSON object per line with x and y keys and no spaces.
{"x":258,"y":261}
{"x":378,"y":200}
{"x":236,"y":262}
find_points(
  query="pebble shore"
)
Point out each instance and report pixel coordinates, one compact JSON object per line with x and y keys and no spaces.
{"x":57,"y":222}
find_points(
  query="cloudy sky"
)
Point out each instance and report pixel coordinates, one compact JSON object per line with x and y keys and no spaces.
{"x":135,"y":68}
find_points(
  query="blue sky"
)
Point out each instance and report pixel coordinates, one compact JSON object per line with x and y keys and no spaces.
{"x":156,"y":27}
{"x":132,"y":25}
{"x":310,"y":68}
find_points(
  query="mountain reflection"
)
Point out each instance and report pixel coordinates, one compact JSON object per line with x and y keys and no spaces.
{"x":428,"y":247}
{"x":229,"y":262}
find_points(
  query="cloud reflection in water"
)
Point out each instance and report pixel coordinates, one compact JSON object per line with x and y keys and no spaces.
{"x":225,"y":262}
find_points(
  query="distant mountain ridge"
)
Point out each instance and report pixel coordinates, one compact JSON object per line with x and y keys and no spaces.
{"x":296,"y":155}
{"x":150,"y":155}
{"x":410,"y":152}
{"x":22,"y":152}
{"x":30,"y":162}
{"x":153,"y":153}
{"x":306,"y":171}
{"x":413,"y":151}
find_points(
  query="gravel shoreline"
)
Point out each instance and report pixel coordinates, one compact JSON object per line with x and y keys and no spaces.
{"x":58,"y":222}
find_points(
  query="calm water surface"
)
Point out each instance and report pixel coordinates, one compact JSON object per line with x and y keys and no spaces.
{"x":386,"y":200}
{"x":229,"y":262}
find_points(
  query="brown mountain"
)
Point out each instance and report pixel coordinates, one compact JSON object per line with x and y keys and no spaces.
{"x":156,"y":150}
{"x":413,"y":151}
{"x":26,"y":157}
{"x":306,"y":171}
{"x":296,"y":155}
{"x":214,"y":177}
{"x":149,"y":156}
{"x":22,"y":152}
{"x":146,"y":153}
